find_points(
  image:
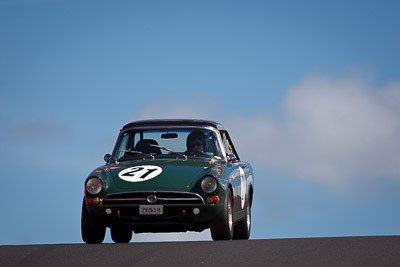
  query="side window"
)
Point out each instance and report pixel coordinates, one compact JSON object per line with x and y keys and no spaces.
{"x":211,"y":145}
{"x":226,"y":144}
{"x":229,"y":148}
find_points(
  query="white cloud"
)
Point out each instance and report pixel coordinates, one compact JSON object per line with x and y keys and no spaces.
{"x":337,"y":132}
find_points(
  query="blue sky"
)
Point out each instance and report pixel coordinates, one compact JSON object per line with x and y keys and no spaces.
{"x":308,"y":89}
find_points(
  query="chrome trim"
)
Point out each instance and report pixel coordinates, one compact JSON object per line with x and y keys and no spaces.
{"x":159,"y":198}
{"x":154,"y":193}
{"x":151,"y":199}
{"x":124,"y":199}
{"x":170,"y":127}
{"x":177,"y":199}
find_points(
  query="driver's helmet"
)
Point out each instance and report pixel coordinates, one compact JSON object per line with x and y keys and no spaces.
{"x":195,"y":135}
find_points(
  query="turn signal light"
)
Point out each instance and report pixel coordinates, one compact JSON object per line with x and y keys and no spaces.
{"x":92,"y":201}
{"x":213,"y":200}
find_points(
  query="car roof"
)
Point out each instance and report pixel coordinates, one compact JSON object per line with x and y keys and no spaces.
{"x":173,"y":122}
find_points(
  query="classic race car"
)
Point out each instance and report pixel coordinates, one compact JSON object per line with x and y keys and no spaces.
{"x":169,"y":176}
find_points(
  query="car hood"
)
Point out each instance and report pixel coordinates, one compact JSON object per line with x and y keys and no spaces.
{"x":158,"y":175}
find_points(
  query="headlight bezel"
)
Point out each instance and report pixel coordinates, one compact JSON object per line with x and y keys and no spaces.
{"x":209,"y":184}
{"x":94,"y":186}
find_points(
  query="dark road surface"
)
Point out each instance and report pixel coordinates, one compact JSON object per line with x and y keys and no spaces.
{"x":338,"y":251}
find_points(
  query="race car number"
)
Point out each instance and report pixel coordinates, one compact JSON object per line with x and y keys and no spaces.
{"x":139,"y":173}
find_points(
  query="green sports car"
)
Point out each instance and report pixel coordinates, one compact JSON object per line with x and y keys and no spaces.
{"x":169,"y":176}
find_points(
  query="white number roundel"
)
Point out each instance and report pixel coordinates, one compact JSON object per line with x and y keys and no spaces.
{"x":139,"y":173}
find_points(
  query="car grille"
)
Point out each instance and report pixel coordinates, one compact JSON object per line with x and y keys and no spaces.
{"x":148,"y":198}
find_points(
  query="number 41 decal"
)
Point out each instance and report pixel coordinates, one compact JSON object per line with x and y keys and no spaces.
{"x":139,"y":173}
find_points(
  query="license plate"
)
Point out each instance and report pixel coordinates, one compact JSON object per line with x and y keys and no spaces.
{"x":151,"y":210}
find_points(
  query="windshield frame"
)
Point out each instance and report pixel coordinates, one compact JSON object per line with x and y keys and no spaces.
{"x":207,"y":128}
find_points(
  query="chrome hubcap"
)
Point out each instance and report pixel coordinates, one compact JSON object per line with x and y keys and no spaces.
{"x":230,"y":220}
{"x":248,"y":219}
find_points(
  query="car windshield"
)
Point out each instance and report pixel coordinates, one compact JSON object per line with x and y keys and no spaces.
{"x":198,"y":143}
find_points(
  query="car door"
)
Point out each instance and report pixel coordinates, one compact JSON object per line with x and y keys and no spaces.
{"x":239,"y":173}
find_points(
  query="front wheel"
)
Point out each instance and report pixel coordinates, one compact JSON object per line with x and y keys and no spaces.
{"x":121,"y":234}
{"x":92,"y":232}
{"x":222,"y":227}
{"x":242,"y":229}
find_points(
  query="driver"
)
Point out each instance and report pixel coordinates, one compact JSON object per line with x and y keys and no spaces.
{"x":195,"y":142}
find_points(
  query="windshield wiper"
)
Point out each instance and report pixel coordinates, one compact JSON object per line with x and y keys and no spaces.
{"x":169,"y":150}
{"x":137,"y":152}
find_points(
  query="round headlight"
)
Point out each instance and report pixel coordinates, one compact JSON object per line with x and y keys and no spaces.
{"x":94,"y":185}
{"x":209,"y":184}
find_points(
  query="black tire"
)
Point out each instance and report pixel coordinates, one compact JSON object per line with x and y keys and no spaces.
{"x":121,"y":234}
{"x":222,"y":227}
{"x":92,"y":232}
{"x":242,"y":229}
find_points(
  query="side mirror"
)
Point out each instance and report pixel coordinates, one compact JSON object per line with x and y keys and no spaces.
{"x":231,"y":157}
{"x":107,"y":158}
